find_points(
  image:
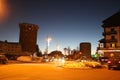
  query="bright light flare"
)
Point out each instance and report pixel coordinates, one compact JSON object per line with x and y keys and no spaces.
{"x":49,"y":39}
{"x":59,"y":61}
{"x":119,"y":62}
{"x":58,"y":47}
{"x":109,"y":62}
{"x":63,"y":61}
{"x":4,"y":10}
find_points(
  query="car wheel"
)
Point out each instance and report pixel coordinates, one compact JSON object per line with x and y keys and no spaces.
{"x":4,"y":62}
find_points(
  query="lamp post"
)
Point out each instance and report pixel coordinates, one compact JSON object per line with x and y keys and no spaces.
{"x":48,"y":39}
{"x":58,"y":47}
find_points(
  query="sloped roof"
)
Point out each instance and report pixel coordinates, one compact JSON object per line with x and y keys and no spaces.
{"x":113,"y":20}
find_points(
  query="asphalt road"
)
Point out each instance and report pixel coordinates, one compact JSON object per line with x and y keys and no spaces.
{"x":33,"y":71}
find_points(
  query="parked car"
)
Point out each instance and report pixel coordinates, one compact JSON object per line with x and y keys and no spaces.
{"x":103,"y":60}
{"x":3,"y":59}
{"x":114,"y":63}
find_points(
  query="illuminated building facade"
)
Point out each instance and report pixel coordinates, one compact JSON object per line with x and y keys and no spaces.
{"x":110,"y":44}
{"x":28,"y":37}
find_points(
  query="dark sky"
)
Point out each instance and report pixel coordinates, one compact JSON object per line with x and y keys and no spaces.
{"x":68,"y":22}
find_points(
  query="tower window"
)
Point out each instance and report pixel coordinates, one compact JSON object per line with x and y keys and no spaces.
{"x":29,"y":28}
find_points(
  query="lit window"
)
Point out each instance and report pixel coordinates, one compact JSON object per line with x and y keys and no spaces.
{"x":113,"y":45}
{"x":101,"y":45}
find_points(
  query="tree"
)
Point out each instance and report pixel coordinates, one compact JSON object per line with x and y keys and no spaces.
{"x":65,"y":51}
{"x":39,"y":54}
{"x":56,"y":54}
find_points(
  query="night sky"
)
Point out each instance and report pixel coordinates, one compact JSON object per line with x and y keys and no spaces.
{"x":68,"y":22}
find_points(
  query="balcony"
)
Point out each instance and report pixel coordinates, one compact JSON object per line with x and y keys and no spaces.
{"x":111,"y":40}
{"x":109,"y":33}
{"x":107,"y":40}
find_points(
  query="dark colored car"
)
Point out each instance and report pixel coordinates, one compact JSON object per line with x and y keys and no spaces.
{"x":3,"y":59}
{"x":114,"y":63}
{"x":103,"y":60}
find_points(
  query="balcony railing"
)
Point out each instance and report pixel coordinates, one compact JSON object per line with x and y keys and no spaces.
{"x":107,"y":40}
{"x":109,"y":33}
{"x":111,"y":40}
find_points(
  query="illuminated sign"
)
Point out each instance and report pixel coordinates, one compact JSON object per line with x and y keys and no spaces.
{"x":109,"y":50}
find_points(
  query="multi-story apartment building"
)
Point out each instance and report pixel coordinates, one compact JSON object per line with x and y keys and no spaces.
{"x":110,"y":44}
{"x":13,"y":48}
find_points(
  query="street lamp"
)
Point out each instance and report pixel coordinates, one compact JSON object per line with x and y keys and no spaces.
{"x":4,"y":10}
{"x":58,"y":47}
{"x":48,"y":39}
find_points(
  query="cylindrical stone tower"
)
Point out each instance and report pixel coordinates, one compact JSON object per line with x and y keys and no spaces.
{"x":85,"y":48}
{"x":28,"y":37}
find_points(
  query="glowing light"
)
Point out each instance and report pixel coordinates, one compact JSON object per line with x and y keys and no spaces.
{"x":49,"y":39}
{"x":102,"y":51}
{"x":4,"y":11}
{"x":109,"y":62}
{"x":119,"y":62}
{"x":58,"y":47}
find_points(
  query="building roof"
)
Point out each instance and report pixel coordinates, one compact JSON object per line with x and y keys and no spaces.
{"x":102,"y":40}
{"x":13,"y":43}
{"x":9,"y":42}
{"x":113,"y":20}
{"x":28,"y":25}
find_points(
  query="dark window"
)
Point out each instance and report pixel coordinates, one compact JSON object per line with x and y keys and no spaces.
{"x":112,"y":37}
{"x":112,"y":29}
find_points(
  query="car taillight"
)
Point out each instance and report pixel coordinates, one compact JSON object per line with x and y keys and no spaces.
{"x":109,"y":62}
{"x":119,"y":62}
